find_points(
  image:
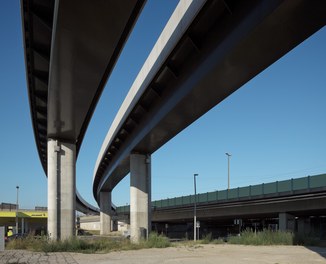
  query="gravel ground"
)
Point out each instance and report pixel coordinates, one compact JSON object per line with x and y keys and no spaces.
{"x":226,"y":254}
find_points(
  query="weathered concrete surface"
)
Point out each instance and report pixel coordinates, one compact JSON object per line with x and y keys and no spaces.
{"x":105,"y":215}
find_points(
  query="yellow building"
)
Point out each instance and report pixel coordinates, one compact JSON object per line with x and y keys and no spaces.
{"x":34,"y":222}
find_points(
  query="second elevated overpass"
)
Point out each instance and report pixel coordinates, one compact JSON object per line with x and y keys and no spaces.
{"x":208,"y":50}
{"x":278,"y":202}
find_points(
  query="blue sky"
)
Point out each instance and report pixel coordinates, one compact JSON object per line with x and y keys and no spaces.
{"x":274,"y":126}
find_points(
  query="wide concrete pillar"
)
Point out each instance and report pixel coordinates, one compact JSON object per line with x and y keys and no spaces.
{"x":61,"y":189}
{"x":286,"y":222}
{"x":105,"y":214}
{"x":140,"y":196}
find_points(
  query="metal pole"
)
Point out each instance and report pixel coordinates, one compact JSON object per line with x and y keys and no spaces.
{"x":229,"y":155}
{"x":17,"y":187}
{"x":195,"y":209}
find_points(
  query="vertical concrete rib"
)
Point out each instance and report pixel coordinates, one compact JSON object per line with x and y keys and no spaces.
{"x":53,"y":159}
{"x":105,"y":215}
{"x":61,"y":189}
{"x":68,"y":190}
{"x":140,"y":196}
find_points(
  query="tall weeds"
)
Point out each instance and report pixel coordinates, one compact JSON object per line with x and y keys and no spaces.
{"x":103,"y":245}
{"x":265,"y":237}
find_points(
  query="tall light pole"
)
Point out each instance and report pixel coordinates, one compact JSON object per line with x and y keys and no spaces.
{"x":17,"y":204}
{"x":229,"y":155}
{"x":195,"y":208}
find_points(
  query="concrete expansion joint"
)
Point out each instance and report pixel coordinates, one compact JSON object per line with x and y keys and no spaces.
{"x":62,"y":140}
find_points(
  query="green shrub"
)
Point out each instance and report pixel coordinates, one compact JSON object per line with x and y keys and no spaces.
{"x":218,"y":241}
{"x":207,"y":239}
{"x":156,"y":241}
{"x":27,"y":243}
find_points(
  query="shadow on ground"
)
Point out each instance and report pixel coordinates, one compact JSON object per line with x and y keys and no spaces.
{"x":319,"y":250}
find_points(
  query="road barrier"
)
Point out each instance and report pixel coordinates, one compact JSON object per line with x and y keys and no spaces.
{"x":272,"y":189}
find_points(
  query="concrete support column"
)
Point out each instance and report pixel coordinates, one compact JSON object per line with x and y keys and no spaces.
{"x":105,"y":215}
{"x":304,"y":226}
{"x":114,"y":225}
{"x":61,"y":189}
{"x":301,"y":226}
{"x":140,"y":196}
{"x":23,"y":225}
{"x":27,"y":226}
{"x":286,"y":222}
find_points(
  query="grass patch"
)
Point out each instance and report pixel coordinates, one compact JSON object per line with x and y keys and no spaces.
{"x":156,"y":241}
{"x":92,"y":232}
{"x":27,"y":243}
{"x":103,"y":245}
{"x":265,"y":237}
{"x":207,"y":239}
{"x":109,"y":244}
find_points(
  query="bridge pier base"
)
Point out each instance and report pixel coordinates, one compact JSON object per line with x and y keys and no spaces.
{"x":140,"y":196}
{"x":286,"y":222}
{"x":61,"y":189}
{"x":105,"y":215}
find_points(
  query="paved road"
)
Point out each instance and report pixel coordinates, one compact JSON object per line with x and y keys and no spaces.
{"x":209,"y":254}
{"x":27,"y":257}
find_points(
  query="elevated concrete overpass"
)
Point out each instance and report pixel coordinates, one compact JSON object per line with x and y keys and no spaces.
{"x":284,"y":200}
{"x":70,"y":48}
{"x":286,"y":190}
{"x":207,"y":51}
{"x":291,"y":212}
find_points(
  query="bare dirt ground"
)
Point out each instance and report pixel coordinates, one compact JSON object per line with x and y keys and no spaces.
{"x":226,"y":254}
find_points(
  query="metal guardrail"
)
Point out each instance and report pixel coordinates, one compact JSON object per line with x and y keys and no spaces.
{"x":271,"y":189}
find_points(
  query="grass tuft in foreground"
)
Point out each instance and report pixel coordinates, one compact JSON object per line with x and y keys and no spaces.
{"x":103,"y":245}
{"x":208,"y":239}
{"x":156,"y":241}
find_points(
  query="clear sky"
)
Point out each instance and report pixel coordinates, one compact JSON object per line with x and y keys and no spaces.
{"x":274,"y":126}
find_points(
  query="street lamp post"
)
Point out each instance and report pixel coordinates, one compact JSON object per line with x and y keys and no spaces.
{"x":17,"y":204}
{"x":229,"y":155}
{"x":195,"y":208}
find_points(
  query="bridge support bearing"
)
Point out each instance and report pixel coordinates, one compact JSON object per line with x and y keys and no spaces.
{"x":105,"y":215}
{"x":140,"y":197}
{"x":286,"y":222}
{"x":61,"y":189}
